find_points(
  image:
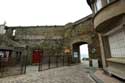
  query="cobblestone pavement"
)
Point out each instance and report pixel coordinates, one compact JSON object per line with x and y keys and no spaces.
{"x":67,"y":74}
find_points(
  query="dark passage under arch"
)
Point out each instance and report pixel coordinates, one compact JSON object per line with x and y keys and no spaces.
{"x":79,"y":51}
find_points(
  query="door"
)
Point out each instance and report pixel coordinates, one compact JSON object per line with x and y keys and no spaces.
{"x":36,"y":56}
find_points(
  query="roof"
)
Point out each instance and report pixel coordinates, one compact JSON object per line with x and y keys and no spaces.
{"x":56,"y":26}
{"x":83,"y":19}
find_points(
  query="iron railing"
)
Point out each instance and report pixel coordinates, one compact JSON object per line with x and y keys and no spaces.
{"x":49,"y":62}
{"x":12,"y":65}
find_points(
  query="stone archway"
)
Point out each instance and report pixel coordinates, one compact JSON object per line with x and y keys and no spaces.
{"x":76,"y":51}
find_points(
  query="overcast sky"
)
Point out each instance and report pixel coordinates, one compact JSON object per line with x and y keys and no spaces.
{"x":42,"y":12}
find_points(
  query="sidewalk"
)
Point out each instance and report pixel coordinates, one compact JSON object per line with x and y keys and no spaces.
{"x":106,"y":78}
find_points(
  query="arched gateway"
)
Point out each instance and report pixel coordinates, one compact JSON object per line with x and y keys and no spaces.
{"x":76,"y":51}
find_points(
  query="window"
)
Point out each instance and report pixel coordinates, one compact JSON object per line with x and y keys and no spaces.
{"x":97,"y":5}
{"x":14,"y":31}
{"x":2,"y":30}
{"x":117,"y":43}
{"x":109,"y":1}
{"x":1,"y":54}
{"x":95,"y":8}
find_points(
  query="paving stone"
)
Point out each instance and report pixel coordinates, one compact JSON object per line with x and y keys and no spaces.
{"x":67,"y":74}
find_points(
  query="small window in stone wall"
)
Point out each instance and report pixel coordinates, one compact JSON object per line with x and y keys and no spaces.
{"x":2,"y":30}
{"x":117,"y":43}
{"x":1,"y":54}
{"x":14,"y":32}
